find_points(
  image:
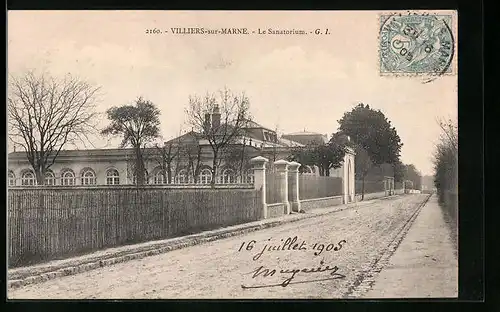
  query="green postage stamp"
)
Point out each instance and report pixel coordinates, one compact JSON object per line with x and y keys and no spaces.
{"x":416,"y":44}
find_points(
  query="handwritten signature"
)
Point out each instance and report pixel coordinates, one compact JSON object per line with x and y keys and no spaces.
{"x":266,"y":272}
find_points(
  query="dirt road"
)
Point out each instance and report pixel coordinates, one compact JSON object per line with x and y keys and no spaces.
{"x":322,"y":257}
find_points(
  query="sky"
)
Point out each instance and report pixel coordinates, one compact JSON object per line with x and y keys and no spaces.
{"x":294,"y":82}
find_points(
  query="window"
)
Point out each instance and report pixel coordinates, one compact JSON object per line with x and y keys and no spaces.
{"x":112,"y":177}
{"x":205,"y":176}
{"x":158,"y":178}
{"x":12,"y":178}
{"x":88,"y":177}
{"x":68,"y":178}
{"x":182,"y":177}
{"x":228,"y":176}
{"x":50,"y":178}
{"x":28,"y":178}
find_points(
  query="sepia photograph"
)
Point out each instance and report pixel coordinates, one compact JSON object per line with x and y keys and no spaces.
{"x":232,"y":154}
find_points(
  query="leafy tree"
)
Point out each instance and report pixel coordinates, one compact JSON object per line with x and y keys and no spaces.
{"x":45,"y":114}
{"x":304,"y":155}
{"x":220,"y":119}
{"x":399,"y":170}
{"x":372,"y":130}
{"x":324,"y":156}
{"x":330,"y":156}
{"x":138,"y":124}
{"x":363,"y":164}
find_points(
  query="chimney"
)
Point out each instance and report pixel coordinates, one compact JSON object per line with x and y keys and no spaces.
{"x":216,"y":117}
{"x":207,"y":122}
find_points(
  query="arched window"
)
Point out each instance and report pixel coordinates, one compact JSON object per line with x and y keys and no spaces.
{"x":68,"y":178}
{"x":205,"y":176}
{"x":28,"y":178}
{"x":182,"y":177}
{"x":112,"y":177}
{"x":228,"y":176}
{"x":158,"y":178}
{"x":88,"y":177}
{"x":50,"y":178}
{"x":12,"y":178}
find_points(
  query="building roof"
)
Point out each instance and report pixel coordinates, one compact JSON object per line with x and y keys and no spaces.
{"x":65,"y":155}
{"x":295,"y":139}
{"x":304,"y":133}
{"x":85,"y":152}
{"x":253,"y":124}
{"x":306,"y":137}
{"x":191,"y":135}
{"x":289,"y":143}
{"x":252,"y":131}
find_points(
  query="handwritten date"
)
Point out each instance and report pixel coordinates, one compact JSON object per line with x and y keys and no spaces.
{"x":291,"y":244}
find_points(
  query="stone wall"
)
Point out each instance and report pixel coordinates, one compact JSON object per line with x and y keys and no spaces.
{"x":308,"y":204}
{"x":276,"y":210}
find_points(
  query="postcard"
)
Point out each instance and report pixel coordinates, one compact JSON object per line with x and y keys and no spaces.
{"x":232,"y":154}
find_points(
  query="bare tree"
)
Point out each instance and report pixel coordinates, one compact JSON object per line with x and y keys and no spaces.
{"x":274,"y":148}
{"x":46,"y":114}
{"x":449,"y":133}
{"x":164,"y":156}
{"x":191,"y":151}
{"x":220,"y":119}
{"x":139,"y":125}
{"x":237,"y":156}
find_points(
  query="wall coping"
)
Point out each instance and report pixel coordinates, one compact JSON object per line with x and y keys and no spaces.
{"x":322,"y":198}
{"x":281,"y":162}
{"x":275,"y":204}
{"x":259,"y":159}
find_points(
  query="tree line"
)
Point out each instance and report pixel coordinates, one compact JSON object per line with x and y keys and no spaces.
{"x":446,"y":167}
{"x":375,"y":141}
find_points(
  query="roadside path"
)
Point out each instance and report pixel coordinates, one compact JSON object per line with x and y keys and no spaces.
{"x":424,"y":265}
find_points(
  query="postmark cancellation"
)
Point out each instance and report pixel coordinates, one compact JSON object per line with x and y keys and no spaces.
{"x":417,"y":43}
